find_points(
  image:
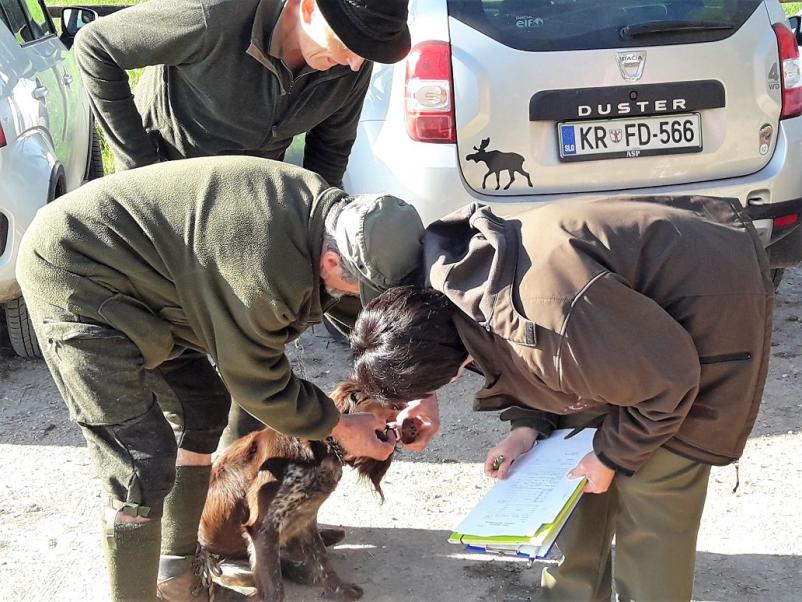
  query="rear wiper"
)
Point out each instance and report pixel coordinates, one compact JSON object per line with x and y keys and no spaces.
{"x":659,"y":27}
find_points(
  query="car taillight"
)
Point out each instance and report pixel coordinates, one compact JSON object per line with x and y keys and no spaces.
{"x":785,"y":221}
{"x":2,"y":137}
{"x":791,"y":68}
{"x":429,"y":93}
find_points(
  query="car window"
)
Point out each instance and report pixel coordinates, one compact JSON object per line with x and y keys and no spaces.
{"x":41,"y":24}
{"x":26,"y":27}
{"x":544,"y":25}
{"x":15,"y":18}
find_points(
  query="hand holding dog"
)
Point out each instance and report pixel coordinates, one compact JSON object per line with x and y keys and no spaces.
{"x":358,"y":434}
{"x":500,"y":458}
{"x":598,"y":475}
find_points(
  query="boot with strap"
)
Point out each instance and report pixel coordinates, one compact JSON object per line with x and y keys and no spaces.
{"x":190,"y":579}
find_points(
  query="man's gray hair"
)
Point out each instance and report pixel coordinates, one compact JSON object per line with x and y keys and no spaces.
{"x":330,"y":244}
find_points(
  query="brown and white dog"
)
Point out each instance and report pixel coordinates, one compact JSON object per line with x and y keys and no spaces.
{"x":264,"y":495}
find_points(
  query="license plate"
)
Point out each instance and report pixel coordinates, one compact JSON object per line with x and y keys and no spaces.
{"x":636,"y":137}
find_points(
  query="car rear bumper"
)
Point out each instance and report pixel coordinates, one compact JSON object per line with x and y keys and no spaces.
{"x":18,"y":207}
{"x":9,"y":289}
{"x":785,"y":242}
{"x":385,"y":159}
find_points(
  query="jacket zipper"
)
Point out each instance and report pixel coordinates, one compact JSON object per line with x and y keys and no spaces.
{"x":725,"y":357}
{"x":319,"y":81}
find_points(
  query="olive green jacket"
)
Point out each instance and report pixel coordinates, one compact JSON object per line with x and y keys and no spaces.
{"x":654,"y":311}
{"x":215,"y":254}
{"x":213,"y":87}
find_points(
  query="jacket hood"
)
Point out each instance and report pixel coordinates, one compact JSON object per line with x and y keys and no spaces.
{"x":471,"y":256}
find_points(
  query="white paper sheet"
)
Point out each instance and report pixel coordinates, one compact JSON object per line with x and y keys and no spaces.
{"x":534,"y":493}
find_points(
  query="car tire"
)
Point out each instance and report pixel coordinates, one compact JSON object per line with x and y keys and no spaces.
{"x":20,"y":329}
{"x":777,"y":277}
{"x":95,"y":170}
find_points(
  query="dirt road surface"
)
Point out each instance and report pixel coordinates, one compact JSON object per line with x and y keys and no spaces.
{"x":750,"y":545}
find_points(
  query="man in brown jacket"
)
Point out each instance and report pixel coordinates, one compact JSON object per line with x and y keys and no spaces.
{"x":647,"y":317}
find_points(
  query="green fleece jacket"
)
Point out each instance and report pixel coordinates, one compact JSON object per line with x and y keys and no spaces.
{"x":214,"y":86}
{"x":215,"y":254}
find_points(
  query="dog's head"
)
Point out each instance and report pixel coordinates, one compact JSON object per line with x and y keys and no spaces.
{"x":349,"y":399}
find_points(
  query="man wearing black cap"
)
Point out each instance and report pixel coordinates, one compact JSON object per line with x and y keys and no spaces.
{"x":238,"y":77}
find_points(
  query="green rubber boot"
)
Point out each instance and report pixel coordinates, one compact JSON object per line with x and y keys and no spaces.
{"x":132,"y":558}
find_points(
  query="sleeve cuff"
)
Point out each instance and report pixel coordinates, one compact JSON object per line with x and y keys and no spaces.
{"x":542,"y":423}
{"x":613,"y":466}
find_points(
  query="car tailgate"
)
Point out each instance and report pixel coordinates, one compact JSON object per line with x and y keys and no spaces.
{"x":721,"y":97}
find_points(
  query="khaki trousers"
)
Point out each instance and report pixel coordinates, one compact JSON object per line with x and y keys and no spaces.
{"x":654,"y":516}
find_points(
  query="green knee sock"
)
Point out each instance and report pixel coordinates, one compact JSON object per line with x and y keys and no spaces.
{"x":132,"y":558}
{"x":182,"y":510}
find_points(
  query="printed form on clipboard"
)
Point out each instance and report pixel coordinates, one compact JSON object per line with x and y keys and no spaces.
{"x":523,"y":514}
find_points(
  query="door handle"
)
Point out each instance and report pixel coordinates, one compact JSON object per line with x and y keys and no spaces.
{"x":67,"y":79}
{"x":40,"y":92}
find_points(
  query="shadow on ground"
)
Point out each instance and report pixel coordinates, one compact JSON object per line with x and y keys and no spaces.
{"x":424,"y":557}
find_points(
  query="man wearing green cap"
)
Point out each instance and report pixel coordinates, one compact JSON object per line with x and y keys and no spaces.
{"x":133,"y":279}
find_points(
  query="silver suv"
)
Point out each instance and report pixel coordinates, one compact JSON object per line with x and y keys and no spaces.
{"x":526,"y":101}
{"x":48,"y":144}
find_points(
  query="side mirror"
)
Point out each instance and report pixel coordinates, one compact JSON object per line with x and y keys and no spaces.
{"x":795,"y":23}
{"x":72,"y":19}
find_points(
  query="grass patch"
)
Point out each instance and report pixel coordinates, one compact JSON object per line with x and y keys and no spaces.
{"x":89,"y":2}
{"x":133,"y":75}
{"x":791,"y":8}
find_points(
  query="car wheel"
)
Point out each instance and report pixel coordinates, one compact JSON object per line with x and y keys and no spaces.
{"x":777,"y":277}
{"x":95,"y":170}
{"x":20,"y":329}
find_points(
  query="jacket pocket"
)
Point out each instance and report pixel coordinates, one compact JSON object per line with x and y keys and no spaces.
{"x":717,"y":417}
{"x":174,"y":315}
{"x":725,"y":357}
{"x":77,"y":331}
{"x":151,"y":333}
{"x":98,"y":371}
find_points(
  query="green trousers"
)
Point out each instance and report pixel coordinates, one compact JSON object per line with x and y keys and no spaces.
{"x":654,"y":516}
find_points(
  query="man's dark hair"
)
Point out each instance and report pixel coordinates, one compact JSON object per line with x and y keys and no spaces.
{"x":406,"y":345}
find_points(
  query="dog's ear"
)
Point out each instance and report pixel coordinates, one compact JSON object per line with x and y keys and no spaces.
{"x":276,"y":466}
{"x":346,"y":395}
{"x":319,"y":451}
{"x":373,"y":471}
{"x":267,"y":493}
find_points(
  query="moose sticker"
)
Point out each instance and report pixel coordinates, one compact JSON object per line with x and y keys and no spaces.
{"x":497,"y":162}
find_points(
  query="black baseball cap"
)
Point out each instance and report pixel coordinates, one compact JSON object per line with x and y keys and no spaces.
{"x":376,"y":30}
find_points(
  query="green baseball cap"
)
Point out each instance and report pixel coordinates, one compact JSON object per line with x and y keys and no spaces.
{"x":380,"y":238}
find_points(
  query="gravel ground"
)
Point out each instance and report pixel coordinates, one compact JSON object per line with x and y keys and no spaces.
{"x":750,"y":545}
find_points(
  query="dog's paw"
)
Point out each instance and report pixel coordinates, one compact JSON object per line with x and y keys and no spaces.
{"x":331,"y":535}
{"x":296,"y":571}
{"x":344,"y":591}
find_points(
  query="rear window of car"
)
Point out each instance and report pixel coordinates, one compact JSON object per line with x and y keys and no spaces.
{"x":547,"y":25}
